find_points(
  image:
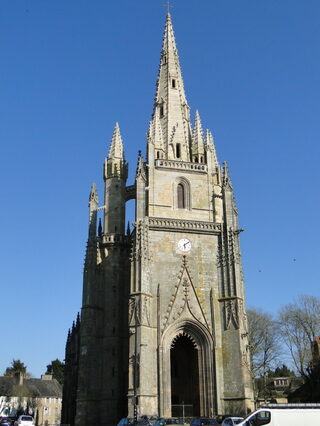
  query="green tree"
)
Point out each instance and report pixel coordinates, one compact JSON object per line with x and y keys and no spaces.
{"x":56,"y":368}
{"x":16,"y":367}
{"x":282,"y":371}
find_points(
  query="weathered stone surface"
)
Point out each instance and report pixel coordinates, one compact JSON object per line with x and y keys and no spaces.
{"x":176,"y":280}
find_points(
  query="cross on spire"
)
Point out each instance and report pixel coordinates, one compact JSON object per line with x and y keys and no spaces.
{"x":168,"y":6}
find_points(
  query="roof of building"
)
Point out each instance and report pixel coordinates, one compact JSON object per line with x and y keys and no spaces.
{"x":44,"y":387}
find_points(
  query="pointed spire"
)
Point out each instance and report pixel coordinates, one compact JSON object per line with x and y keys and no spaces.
{"x":140,"y":172}
{"x":115,"y":164}
{"x":128,"y":229}
{"x":93,"y":205}
{"x":210,"y":146}
{"x":170,"y":100}
{"x":197,"y":141}
{"x":226,"y":181}
{"x":155,"y":132}
{"x":93,"y":197}
{"x":116,"y":146}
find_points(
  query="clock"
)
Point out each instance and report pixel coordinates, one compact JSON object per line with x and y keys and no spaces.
{"x":184,"y":244}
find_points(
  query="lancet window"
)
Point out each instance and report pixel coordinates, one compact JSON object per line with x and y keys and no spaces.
{"x":182,"y":194}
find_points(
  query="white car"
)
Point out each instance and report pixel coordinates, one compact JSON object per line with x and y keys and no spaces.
{"x":231,"y":421}
{"x":24,"y":421}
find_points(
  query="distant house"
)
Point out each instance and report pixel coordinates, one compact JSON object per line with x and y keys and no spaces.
{"x":276,"y":389}
{"x":40,"y":398}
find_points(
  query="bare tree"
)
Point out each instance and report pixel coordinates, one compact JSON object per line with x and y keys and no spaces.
{"x":263,"y":341}
{"x":300,"y":323}
{"x":265,"y":348}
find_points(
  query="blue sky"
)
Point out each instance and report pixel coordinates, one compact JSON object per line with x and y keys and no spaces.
{"x":70,"y":69}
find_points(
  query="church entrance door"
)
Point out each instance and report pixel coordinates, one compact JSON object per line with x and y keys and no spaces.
{"x":187,"y":373}
{"x":185,"y":399}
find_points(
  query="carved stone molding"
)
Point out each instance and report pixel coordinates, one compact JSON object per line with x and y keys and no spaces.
{"x":181,"y":165}
{"x":233,"y":311}
{"x":179,"y":225}
{"x":115,"y":239}
{"x":185,"y":302}
{"x":139,"y":309}
{"x":140,"y":247}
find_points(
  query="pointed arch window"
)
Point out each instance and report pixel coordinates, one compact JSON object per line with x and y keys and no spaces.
{"x":182,"y":194}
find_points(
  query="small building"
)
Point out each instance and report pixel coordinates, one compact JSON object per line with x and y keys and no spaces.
{"x":276,"y":389}
{"x":40,"y":398}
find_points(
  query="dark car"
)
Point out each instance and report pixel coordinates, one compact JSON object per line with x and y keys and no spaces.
{"x":169,"y":421}
{"x":6,"y":422}
{"x":127,"y":421}
{"x":202,"y":421}
{"x":231,"y":421}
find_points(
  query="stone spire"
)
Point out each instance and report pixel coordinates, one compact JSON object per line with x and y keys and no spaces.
{"x":140,"y":172}
{"x":115,"y":164}
{"x":170,"y":100}
{"x":197,"y":141}
{"x":116,"y":146}
{"x":226,"y":181}
{"x":93,"y":205}
{"x":155,"y":136}
{"x":210,"y":147}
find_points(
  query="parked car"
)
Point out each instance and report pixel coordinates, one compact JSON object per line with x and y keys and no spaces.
{"x":231,"y":421}
{"x":127,"y":421}
{"x":143,"y":422}
{"x":202,"y":421}
{"x":169,"y":421}
{"x":6,"y":422}
{"x":24,"y":421}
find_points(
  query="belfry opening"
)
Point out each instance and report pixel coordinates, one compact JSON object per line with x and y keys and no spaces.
{"x":184,"y":377}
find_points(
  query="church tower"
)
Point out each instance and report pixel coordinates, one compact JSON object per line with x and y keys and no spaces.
{"x":163,"y":323}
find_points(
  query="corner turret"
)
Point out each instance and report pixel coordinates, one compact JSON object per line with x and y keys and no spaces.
{"x":115,"y":177}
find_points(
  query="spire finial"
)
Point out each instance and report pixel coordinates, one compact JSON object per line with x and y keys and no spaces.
{"x":197,"y":140}
{"x":140,"y":167}
{"x":168,"y":5}
{"x":116,"y":146}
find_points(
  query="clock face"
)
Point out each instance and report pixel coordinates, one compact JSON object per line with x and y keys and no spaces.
{"x":184,"y":244}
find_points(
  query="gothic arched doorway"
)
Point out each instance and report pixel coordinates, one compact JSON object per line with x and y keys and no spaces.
{"x":184,"y":344}
{"x":184,"y":377}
